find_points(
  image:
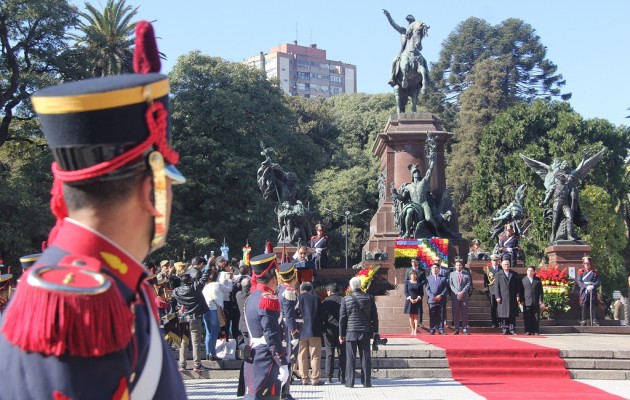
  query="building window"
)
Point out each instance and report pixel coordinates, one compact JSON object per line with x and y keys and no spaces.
{"x":314,"y":75}
{"x":303,"y":75}
{"x":336,"y":79}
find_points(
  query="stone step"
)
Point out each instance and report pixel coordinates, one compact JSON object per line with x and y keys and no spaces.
{"x":600,"y":374}
{"x":415,"y":373}
{"x":597,"y":363}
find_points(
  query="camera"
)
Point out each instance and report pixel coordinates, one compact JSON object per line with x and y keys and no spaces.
{"x":378,"y":341}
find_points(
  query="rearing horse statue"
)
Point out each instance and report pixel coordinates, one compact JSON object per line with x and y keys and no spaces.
{"x":409,"y":75}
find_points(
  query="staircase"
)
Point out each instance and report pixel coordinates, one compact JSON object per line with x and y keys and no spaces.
{"x":409,"y":358}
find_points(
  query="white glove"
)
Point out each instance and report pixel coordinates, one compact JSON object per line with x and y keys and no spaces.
{"x":590,"y":288}
{"x":510,"y":250}
{"x":294,"y":342}
{"x":283,"y":375}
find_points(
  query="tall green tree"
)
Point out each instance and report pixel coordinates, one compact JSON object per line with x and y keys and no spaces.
{"x":607,"y":236}
{"x":485,"y":97}
{"x":107,"y":36}
{"x":25,"y":182}
{"x":32,"y":34}
{"x":220,"y":112}
{"x":350,"y":180}
{"x":530,"y":74}
{"x":544,"y":130}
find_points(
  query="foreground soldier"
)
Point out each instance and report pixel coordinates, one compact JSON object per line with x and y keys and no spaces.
{"x":83,"y":324}
{"x":287,"y":296}
{"x":265,"y":368}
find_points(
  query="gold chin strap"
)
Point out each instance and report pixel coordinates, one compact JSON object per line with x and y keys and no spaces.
{"x":156,"y":162}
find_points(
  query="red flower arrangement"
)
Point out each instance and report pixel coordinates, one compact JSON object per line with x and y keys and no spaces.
{"x":556,"y":289}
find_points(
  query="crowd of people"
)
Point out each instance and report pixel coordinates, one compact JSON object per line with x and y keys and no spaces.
{"x":210,"y":298}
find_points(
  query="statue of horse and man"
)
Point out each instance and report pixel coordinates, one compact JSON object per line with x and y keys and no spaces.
{"x":409,"y":74}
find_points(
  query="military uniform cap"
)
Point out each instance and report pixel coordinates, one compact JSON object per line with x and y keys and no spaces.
{"x":587,"y":259}
{"x":287,"y":271}
{"x":458,"y":259}
{"x":263,"y":263}
{"x":94,"y":121}
{"x":29,"y":260}
{"x":410,"y":18}
{"x":494,"y":257}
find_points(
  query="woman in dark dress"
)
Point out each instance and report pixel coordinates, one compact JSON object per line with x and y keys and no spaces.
{"x":413,"y":302}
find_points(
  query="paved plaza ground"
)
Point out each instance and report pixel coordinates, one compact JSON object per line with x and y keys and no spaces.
{"x":382,"y":389}
{"x":411,"y":389}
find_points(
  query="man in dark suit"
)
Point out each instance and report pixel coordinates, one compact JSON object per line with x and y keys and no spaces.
{"x":357,"y":318}
{"x":415,"y":266}
{"x":508,"y":289}
{"x":532,"y":300}
{"x":331,"y":306}
{"x":436,"y":289}
{"x":311,"y":335}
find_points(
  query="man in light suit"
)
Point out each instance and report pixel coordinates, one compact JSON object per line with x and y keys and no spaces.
{"x":436,"y":289}
{"x":532,"y":300}
{"x":460,"y":283}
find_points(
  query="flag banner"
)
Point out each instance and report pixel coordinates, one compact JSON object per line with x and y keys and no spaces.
{"x":426,"y":249}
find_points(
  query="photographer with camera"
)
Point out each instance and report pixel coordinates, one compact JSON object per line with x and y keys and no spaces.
{"x":358,"y":317}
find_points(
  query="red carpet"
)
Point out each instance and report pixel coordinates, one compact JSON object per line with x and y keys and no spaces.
{"x":500,"y":367}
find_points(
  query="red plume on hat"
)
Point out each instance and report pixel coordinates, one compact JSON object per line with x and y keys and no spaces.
{"x":146,"y":58}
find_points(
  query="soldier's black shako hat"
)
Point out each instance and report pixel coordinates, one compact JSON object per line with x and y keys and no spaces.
{"x":96,"y":120}
{"x":287,"y":271}
{"x":263,"y":263}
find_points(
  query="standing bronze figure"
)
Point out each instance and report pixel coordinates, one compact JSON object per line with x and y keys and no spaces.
{"x":561,"y":184}
{"x":281,"y":188}
{"x":410,"y":72}
{"x":511,"y":214}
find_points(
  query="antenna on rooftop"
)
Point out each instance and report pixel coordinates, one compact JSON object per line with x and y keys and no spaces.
{"x":296,"y":33}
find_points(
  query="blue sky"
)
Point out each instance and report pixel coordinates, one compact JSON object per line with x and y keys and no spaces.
{"x":588,"y":41}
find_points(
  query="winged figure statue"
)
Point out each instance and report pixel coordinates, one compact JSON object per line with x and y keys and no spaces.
{"x":562,"y":187}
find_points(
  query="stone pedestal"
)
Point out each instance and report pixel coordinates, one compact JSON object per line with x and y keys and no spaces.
{"x":567,"y":255}
{"x":289,"y":249}
{"x":401,"y":144}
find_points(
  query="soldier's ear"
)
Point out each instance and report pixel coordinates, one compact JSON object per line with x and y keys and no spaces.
{"x":146,"y":195}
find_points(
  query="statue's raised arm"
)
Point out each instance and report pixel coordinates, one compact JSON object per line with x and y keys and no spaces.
{"x":398,"y":28}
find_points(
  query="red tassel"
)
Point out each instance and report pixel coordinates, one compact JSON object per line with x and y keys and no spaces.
{"x":56,"y":322}
{"x":146,"y":58}
{"x":60,"y":396}
{"x":269,"y":302}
